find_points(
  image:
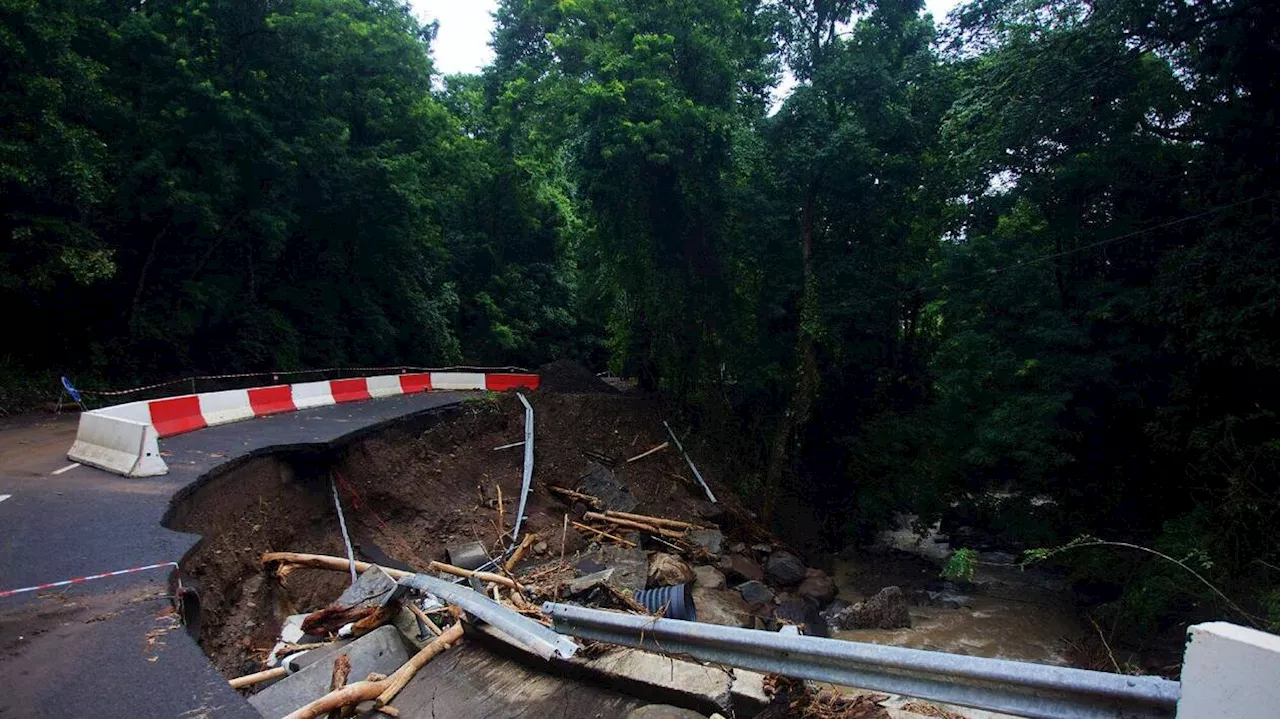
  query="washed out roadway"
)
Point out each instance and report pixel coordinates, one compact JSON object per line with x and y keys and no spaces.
{"x":111,"y":647}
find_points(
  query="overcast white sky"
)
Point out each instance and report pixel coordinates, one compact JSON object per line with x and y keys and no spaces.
{"x":463,"y":42}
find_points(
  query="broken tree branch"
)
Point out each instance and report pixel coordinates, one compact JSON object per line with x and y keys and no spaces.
{"x":651,"y":529}
{"x":642,"y":455}
{"x":482,"y":576}
{"x":381,"y":692}
{"x":258,"y":677}
{"x":655,"y":521}
{"x":502,"y":518}
{"x":323,"y":561}
{"x":338,"y":679}
{"x":593,"y":501}
{"x":624,"y":542}
{"x":517,"y":555}
{"x":422,"y":616}
{"x":401,"y":678}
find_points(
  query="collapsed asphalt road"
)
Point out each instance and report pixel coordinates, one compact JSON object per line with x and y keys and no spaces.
{"x":113,"y":647}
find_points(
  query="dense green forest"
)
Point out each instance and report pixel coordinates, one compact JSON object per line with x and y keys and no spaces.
{"x":1030,"y":249}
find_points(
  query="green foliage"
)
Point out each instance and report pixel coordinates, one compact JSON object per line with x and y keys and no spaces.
{"x":960,"y":565}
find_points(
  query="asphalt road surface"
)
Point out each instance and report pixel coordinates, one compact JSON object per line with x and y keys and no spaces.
{"x":112,"y":647}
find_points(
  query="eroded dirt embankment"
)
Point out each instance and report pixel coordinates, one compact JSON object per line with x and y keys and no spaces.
{"x":408,"y":492}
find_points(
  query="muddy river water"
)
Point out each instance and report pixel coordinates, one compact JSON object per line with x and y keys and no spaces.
{"x":1005,"y":612}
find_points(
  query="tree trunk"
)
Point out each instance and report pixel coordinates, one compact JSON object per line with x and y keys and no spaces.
{"x":801,"y":402}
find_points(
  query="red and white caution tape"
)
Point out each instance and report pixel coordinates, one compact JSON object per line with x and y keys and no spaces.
{"x":78,"y":580}
{"x":276,"y":375}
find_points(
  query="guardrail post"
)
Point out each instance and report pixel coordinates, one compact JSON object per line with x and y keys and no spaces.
{"x":1230,"y":671}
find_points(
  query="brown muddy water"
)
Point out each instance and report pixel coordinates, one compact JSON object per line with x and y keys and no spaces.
{"x":1005,"y":613}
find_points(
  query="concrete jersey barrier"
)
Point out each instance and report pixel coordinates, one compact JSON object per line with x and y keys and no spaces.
{"x":124,"y":438}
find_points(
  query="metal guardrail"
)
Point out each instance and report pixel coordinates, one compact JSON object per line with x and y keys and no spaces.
{"x":1039,"y":691}
{"x":538,"y":638}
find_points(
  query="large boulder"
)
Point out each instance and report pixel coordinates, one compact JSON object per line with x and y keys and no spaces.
{"x":602,"y":483}
{"x":818,"y":587}
{"x":785,"y":568}
{"x":666,"y":570}
{"x":711,"y":540}
{"x":708,"y":577}
{"x":886,"y":610}
{"x":722,"y":606}
{"x":755,"y":592}
{"x":738,"y":568}
{"x":798,"y":612}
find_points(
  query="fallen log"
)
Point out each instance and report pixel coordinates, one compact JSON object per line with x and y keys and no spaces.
{"x":624,"y":542}
{"x":631,"y":524}
{"x":655,"y":521}
{"x":381,"y":692}
{"x":258,"y":677}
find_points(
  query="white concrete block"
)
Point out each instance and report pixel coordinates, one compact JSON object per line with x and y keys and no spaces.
{"x":312,"y":394}
{"x":117,"y":445}
{"x":385,"y":385}
{"x":132,"y":411}
{"x":1230,"y":671}
{"x":225,"y":407}
{"x":457,"y":380}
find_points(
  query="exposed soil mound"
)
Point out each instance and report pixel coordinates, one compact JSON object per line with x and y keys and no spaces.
{"x":570,"y":377}
{"x":409,"y":492}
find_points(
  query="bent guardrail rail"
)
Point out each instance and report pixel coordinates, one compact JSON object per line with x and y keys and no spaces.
{"x":1024,"y":689}
{"x":124,"y":438}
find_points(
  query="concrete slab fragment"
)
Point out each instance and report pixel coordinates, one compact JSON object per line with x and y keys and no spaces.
{"x":369,"y":589}
{"x":382,"y":651}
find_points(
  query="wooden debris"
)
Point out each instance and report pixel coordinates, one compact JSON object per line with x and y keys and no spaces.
{"x":631,"y":524}
{"x":384,"y":690}
{"x":383,"y":614}
{"x":286,"y":648}
{"x":509,"y":446}
{"x":517,"y":555}
{"x":258,"y":677}
{"x":502,"y":518}
{"x":400,"y":679}
{"x":601,"y":458}
{"x":422,"y":617}
{"x":564,"y":537}
{"x":329,"y":620}
{"x":482,"y":576}
{"x":338,"y":680}
{"x":323,"y":561}
{"x":655,"y":521}
{"x":593,"y":501}
{"x":389,"y":711}
{"x":642,"y":455}
{"x":624,"y":542}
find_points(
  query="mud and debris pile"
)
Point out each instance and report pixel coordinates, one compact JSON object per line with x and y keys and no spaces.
{"x":614,"y":519}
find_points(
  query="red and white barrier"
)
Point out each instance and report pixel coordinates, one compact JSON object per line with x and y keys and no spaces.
{"x":123,"y":438}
